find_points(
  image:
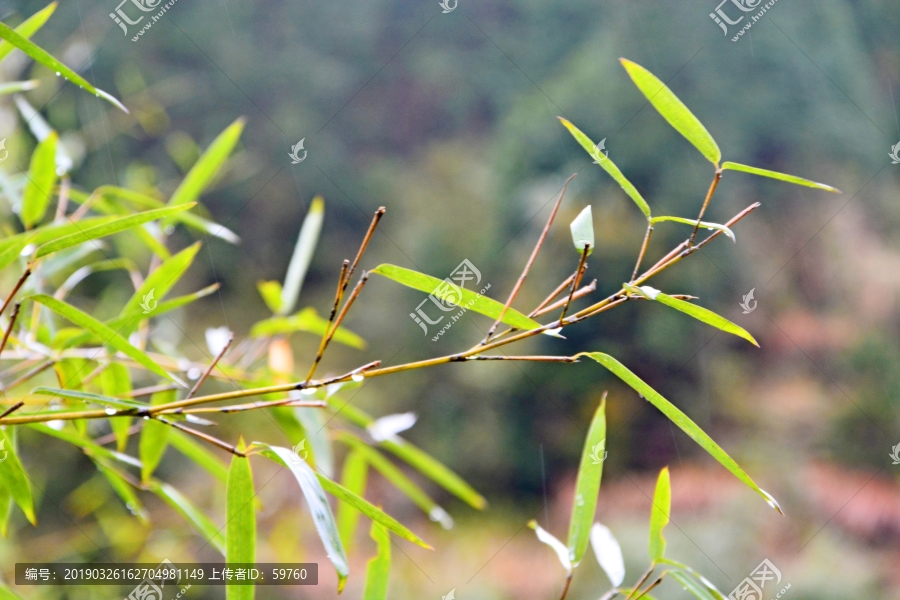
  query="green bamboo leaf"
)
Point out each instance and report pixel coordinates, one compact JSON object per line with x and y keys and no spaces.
{"x":119,"y":403}
{"x":303,"y":253}
{"x":416,"y":458}
{"x":207,"y":529}
{"x":14,"y":479}
{"x":312,"y":488}
{"x":379,"y":566}
{"x":100,"y":330}
{"x":5,"y":511}
{"x":14,"y":87}
{"x":45,"y":58}
{"x":162,"y":279}
{"x":452,"y":294}
{"x":124,"y":490}
{"x":13,"y":251}
{"x":115,"y":380}
{"x":659,"y":515}
{"x":680,"y":419}
{"x":87,"y":446}
{"x":696,"y":589}
{"x":208,"y":165}
{"x":353,"y":477}
{"x":693,"y":222}
{"x":587,"y":485}
{"x":154,"y":437}
{"x":608,"y":165}
{"x":8,"y":594}
{"x":271,"y":294}
{"x":29,"y":27}
{"x":698,"y":312}
{"x":400,"y":481}
{"x":199,"y":454}
{"x":780,"y":176}
{"x":240,"y":536}
{"x":41,"y":181}
{"x":673,"y":110}
{"x":41,"y":130}
{"x":109,"y":228}
{"x":309,"y":321}
{"x":712,"y":589}
{"x":313,"y":421}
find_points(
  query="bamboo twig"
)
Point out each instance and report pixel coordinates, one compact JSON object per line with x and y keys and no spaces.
{"x":640,"y":258}
{"x":15,"y":289}
{"x":553,"y":295}
{"x":12,"y":322}
{"x":12,"y":408}
{"x":212,"y":365}
{"x":640,"y":582}
{"x":336,"y":324}
{"x":579,"y":273}
{"x":709,"y":195}
{"x":584,"y":291}
{"x":35,"y":371}
{"x":566,"y":587}
{"x":203,"y":436}
{"x":337,"y":300}
{"x":649,"y":587}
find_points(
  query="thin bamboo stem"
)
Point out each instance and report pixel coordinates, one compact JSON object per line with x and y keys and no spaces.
{"x":212,"y":366}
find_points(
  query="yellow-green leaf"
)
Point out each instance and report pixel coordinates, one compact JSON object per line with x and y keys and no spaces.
{"x":309,"y":321}
{"x":353,"y":477}
{"x":608,"y":165}
{"x":681,"y":420}
{"x":199,"y":454}
{"x":124,"y":490}
{"x":210,"y":532}
{"x":29,"y":27}
{"x":379,"y":566}
{"x":162,"y":279}
{"x":154,"y":437}
{"x":87,"y":446}
{"x":673,"y":110}
{"x":587,"y":485}
{"x":780,"y":176}
{"x":240,"y":536}
{"x":14,"y":479}
{"x":659,"y":515}
{"x":115,"y":380}
{"x":271,"y":294}
{"x":452,"y":294}
{"x":41,"y":181}
{"x":208,"y":165}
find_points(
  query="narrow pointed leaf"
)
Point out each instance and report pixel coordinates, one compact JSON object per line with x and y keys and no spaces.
{"x":154,"y":437}
{"x":693,"y":586}
{"x":14,"y":479}
{"x":698,"y":312}
{"x":608,"y":553}
{"x":42,"y":130}
{"x":587,"y":485}
{"x":303,"y":253}
{"x":29,"y":27}
{"x":13,"y":251}
{"x":271,"y":294}
{"x":208,"y":530}
{"x":14,"y":87}
{"x":162,"y":279}
{"x":458,"y":296}
{"x":353,"y":477}
{"x":379,"y":566}
{"x":208,"y":165}
{"x":45,"y":58}
{"x":115,"y":380}
{"x":240,"y":535}
{"x":712,"y":589}
{"x":87,"y":446}
{"x":780,"y":176}
{"x":562,"y":553}
{"x":119,"y":403}
{"x":5,"y":511}
{"x":104,"y":333}
{"x":608,"y":165}
{"x":124,"y":490}
{"x":681,"y":420}
{"x":109,"y":228}
{"x":199,"y":454}
{"x":309,"y":321}
{"x":659,"y":515}
{"x":41,"y":181}
{"x":673,"y":110}
{"x":693,"y":222}
{"x":313,"y":421}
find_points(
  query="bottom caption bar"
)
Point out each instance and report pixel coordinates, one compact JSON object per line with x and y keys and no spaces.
{"x":167,"y":574}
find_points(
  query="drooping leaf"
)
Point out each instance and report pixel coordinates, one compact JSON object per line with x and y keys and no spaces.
{"x":673,"y":110}
{"x":697,"y":589}
{"x":115,"y":380}
{"x":387,"y":427}
{"x":240,"y":536}
{"x":14,"y":479}
{"x":13,"y":251}
{"x":353,"y":477}
{"x":608,"y":553}
{"x":5,"y":510}
{"x":124,"y":490}
{"x":303,"y":253}
{"x":583,"y":231}
{"x":562,"y":552}
{"x":162,"y":279}
{"x":41,"y":181}
{"x":703,"y":581}
{"x":680,"y":419}
{"x":14,"y":87}
{"x":199,"y":454}
{"x":210,"y":532}
{"x":587,"y":485}
{"x":780,"y":176}
{"x":608,"y":165}
{"x":659,"y":515}
{"x":108,"y":228}
{"x":379,"y":566}
{"x":313,"y":422}
{"x":154,"y":437}
{"x":42,"y":130}
{"x":208,"y":165}
{"x":698,"y":312}
{"x":104,"y":333}
{"x":29,"y":27}
{"x":271,"y":294}
{"x":306,"y":320}
{"x":455,"y":295}
{"x":45,"y":58}
{"x":693,"y":222}
{"x":119,"y":403}
{"x":311,"y":486}
{"x":87,"y":446}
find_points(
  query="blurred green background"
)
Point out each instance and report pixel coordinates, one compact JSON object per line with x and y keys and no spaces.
{"x":449,"y":121}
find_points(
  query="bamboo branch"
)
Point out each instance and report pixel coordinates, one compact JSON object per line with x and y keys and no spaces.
{"x":212,"y":366}
{"x":337,"y":323}
{"x":203,"y":436}
{"x":15,"y":289}
{"x":709,"y":195}
{"x":640,"y":582}
{"x":12,"y":322}
{"x":12,"y":408}
{"x":579,"y":273}
{"x":637,"y":265}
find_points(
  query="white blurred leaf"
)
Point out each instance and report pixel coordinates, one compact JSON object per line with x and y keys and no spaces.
{"x":608,"y":553}
{"x":583,"y":230}
{"x":303,"y":253}
{"x":216,"y":339}
{"x":41,"y":129}
{"x":386,"y":428}
{"x":562,"y":552}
